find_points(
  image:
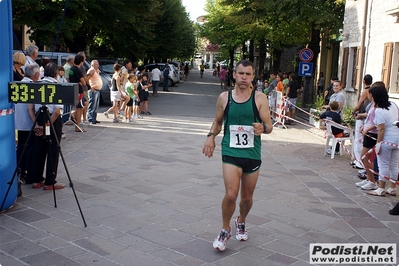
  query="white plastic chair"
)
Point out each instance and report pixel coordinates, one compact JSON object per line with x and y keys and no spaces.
{"x":335,"y":140}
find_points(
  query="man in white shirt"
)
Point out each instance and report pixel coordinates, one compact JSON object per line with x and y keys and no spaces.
{"x":156,"y":78}
{"x":32,"y":52}
{"x":96,"y":84}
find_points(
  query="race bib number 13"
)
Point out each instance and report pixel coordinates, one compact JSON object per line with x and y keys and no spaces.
{"x":241,"y":136}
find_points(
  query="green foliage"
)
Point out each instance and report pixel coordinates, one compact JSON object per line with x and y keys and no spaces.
{"x":347,"y":117}
{"x":281,"y":23}
{"x":118,"y":28}
{"x":319,"y":102}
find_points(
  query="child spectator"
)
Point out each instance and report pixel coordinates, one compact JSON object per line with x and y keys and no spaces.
{"x":130,"y":87}
{"x":61,"y":72}
{"x":260,"y":85}
{"x":280,"y":85}
{"x":332,"y":115}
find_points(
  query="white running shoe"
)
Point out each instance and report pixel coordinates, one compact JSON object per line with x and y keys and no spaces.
{"x":221,"y":239}
{"x":132,"y":120}
{"x":361,"y":183}
{"x":241,"y":233}
{"x":139,"y":116}
{"x":106,"y":114}
{"x":369,"y":186}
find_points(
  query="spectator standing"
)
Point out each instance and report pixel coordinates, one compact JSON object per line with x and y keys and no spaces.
{"x":32,"y":52}
{"x":144,"y":96}
{"x":370,"y":134}
{"x":222,"y":77}
{"x":286,"y":81}
{"x":68,"y":65}
{"x":43,"y":63}
{"x":155,"y":78}
{"x":47,"y":150}
{"x":386,"y":113}
{"x":85,"y":89}
{"x":23,"y":126}
{"x":127,"y":66}
{"x":186,"y":71}
{"x":329,"y":90}
{"x":19,"y":61}
{"x":116,"y":92}
{"x":320,"y":84}
{"x":360,"y":113}
{"x":96,"y":84}
{"x":273,"y":82}
{"x":241,"y":159}
{"x":76,"y":76}
{"x":166,"y":77}
{"x":280,"y":85}
{"x":293,"y":88}
{"x":130,"y":92}
{"x":61,"y":75}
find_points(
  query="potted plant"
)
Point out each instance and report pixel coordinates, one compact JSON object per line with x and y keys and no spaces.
{"x":347,"y":117}
{"x":316,"y":111}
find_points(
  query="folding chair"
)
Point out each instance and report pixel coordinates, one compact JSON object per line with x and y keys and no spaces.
{"x":334,"y":140}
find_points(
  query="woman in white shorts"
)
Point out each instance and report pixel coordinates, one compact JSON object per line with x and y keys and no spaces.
{"x":115,"y":92}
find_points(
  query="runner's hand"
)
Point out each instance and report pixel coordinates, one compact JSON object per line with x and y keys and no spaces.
{"x":209,"y":147}
{"x":258,"y":129}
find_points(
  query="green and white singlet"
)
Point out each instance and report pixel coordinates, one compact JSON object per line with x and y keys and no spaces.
{"x":239,"y":139}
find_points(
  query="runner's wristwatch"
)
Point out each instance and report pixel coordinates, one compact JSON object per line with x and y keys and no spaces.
{"x":210,"y":134}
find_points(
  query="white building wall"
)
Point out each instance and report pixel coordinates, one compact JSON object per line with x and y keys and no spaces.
{"x":381,"y":28}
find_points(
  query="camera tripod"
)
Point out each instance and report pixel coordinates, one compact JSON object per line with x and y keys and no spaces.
{"x":42,"y":117}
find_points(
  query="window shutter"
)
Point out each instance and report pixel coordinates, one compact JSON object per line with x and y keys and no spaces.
{"x":344,"y":67}
{"x":386,"y":64}
{"x":357,"y":70}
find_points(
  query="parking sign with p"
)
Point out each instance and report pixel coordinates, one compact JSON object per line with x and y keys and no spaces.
{"x":305,"y":69}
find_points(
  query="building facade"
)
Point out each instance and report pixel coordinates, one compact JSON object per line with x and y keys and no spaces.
{"x":370,"y":45}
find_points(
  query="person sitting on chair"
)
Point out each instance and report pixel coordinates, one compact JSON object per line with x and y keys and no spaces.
{"x":332,"y":115}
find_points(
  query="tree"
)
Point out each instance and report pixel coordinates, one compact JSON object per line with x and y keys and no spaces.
{"x":280,"y":23}
{"x":119,"y":28}
{"x":174,"y":33}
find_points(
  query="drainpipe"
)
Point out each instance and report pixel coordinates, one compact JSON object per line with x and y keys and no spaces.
{"x":359,"y":80}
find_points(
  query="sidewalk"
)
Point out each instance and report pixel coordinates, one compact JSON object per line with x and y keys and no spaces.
{"x":150,"y":197}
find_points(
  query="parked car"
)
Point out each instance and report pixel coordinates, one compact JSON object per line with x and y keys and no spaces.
{"x":173,"y":74}
{"x":60,"y":59}
{"x":179,"y":68}
{"x":107,"y":64}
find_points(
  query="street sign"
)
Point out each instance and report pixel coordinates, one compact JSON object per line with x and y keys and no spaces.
{"x":305,"y":69}
{"x":306,"y":55}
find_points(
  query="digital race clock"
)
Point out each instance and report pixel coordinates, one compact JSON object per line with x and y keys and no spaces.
{"x":43,"y":93}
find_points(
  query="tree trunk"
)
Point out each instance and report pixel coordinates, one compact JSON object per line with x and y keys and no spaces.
{"x":262,"y":55}
{"x":276,"y":59}
{"x":251,"y":51}
{"x":231,"y":55}
{"x":244,"y":51}
{"x":309,"y":82}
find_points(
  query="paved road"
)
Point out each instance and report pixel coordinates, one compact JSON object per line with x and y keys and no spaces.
{"x":151,"y":198}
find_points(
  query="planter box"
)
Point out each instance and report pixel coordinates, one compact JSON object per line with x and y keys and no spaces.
{"x":312,"y":121}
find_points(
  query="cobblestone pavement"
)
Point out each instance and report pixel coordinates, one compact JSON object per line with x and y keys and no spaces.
{"x":150,"y":197}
